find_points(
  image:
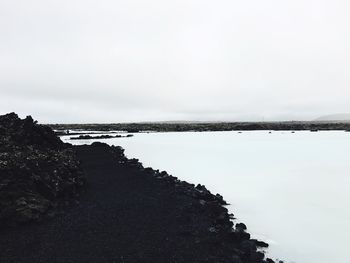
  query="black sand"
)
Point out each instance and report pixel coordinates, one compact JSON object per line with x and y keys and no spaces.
{"x":131,"y":214}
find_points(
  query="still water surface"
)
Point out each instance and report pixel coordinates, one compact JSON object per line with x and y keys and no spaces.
{"x":291,"y":189}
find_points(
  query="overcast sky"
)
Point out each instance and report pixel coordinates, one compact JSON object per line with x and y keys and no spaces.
{"x":136,"y":60}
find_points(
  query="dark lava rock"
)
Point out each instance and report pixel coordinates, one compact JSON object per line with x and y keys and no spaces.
{"x":106,"y":136}
{"x":38,"y":172}
{"x":259,"y":243}
{"x":241,"y":226}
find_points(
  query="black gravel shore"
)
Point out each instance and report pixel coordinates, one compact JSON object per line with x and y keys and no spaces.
{"x":64,"y":203}
{"x":131,"y":214}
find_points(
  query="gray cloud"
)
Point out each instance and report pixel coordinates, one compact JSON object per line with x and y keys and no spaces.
{"x":110,"y":61}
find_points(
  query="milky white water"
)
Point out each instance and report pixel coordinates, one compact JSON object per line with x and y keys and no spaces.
{"x":291,"y":189}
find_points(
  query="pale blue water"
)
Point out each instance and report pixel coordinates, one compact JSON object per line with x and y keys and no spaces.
{"x":291,"y":189}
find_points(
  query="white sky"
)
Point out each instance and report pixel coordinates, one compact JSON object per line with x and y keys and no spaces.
{"x":133,"y":60}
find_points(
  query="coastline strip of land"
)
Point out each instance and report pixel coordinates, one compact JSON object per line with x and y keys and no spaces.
{"x":96,"y":205}
{"x":204,"y":126}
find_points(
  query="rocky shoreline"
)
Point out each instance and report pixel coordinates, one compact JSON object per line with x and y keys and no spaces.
{"x":125,"y":213}
{"x":244,"y":249}
{"x":105,"y":136}
{"x":206,"y":126}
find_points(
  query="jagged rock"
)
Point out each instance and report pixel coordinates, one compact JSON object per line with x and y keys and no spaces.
{"x":257,"y":256}
{"x":37,"y":170}
{"x":248,"y":247}
{"x":241,"y":227}
{"x":259,"y":243}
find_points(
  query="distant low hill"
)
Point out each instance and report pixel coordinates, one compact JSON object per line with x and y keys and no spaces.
{"x":344,"y":117}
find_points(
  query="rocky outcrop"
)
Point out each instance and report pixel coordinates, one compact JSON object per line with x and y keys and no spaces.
{"x":105,"y":136}
{"x":38,"y":172}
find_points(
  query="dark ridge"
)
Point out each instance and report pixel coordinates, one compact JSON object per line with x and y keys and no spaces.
{"x":105,"y":136}
{"x":17,"y":132}
{"x":200,"y":127}
{"x":38,"y":173}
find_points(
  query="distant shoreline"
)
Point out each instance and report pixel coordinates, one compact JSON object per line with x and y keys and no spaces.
{"x":205,"y":126}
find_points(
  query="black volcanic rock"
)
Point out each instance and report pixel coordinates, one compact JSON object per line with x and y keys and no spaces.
{"x":241,"y":226}
{"x":128,"y":213}
{"x":106,"y":136}
{"x":17,"y":132}
{"x":38,"y":172}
